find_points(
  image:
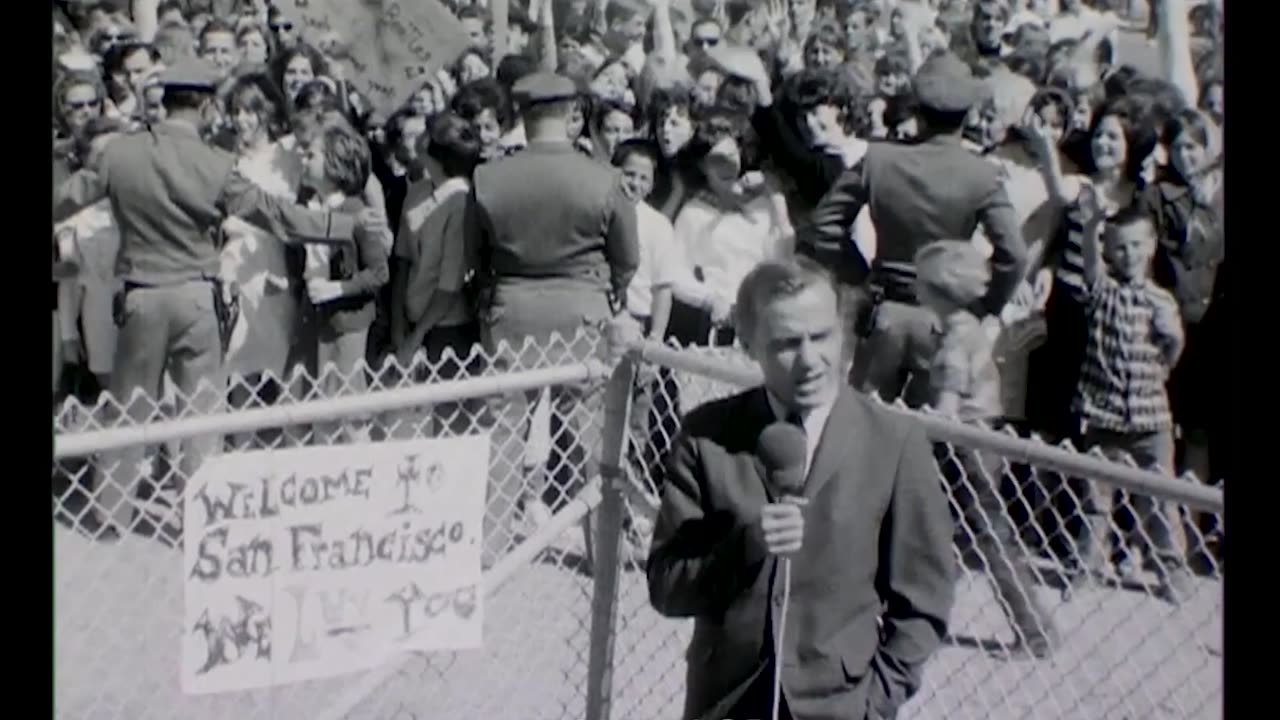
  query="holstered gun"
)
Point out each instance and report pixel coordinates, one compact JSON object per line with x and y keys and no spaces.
{"x":226,"y":308}
{"x":865,"y":323}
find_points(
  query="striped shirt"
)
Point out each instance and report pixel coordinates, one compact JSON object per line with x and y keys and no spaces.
{"x":1122,"y":381}
{"x":1070,"y":260}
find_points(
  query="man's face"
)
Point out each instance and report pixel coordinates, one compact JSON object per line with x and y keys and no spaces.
{"x":283,"y":29}
{"x":797,"y":342}
{"x":255,"y":10}
{"x":474,"y":28}
{"x":517,"y":40}
{"x":705,"y":35}
{"x":983,"y":126}
{"x":803,"y":11}
{"x":820,"y":55}
{"x":80,"y":105}
{"x":822,"y":123}
{"x":988,"y":25}
{"x":704,"y":91}
{"x":615,"y":128}
{"x":637,"y":176}
{"x":137,"y":66}
{"x":488,"y":131}
{"x":253,"y":48}
{"x":411,"y":129}
{"x":1129,"y":249}
{"x":219,"y":49}
{"x":858,"y":31}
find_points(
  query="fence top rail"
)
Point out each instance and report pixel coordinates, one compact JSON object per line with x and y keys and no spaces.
{"x":80,"y":444}
{"x":1063,"y":459}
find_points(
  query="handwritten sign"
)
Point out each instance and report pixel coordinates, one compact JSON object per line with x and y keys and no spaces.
{"x":394,"y":46}
{"x":314,"y":562}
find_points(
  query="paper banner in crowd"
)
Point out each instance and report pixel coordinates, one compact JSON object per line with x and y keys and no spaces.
{"x":313,"y":562}
{"x":393,"y":46}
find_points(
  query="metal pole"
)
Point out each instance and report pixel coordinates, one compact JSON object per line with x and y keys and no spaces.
{"x":608,"y":524}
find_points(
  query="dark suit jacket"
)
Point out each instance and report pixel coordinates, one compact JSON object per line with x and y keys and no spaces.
{"x":934,"y":190}
{"x":877,"y":544}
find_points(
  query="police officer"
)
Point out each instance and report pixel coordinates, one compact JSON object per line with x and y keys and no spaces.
{"x":933,"y":190}
{"x":170,"y":192}
{"x":553,"y":238}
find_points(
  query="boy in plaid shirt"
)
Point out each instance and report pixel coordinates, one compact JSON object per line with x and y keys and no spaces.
{"x":1134,"y":338}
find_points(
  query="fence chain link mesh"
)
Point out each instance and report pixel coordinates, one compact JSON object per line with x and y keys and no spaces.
{"x":119,"y":601}
{"x":1124,"y":645}
{"x":1136,"y":635}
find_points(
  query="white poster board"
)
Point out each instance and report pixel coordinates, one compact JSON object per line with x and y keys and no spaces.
{"x":313,"y":562}
{"x":394,"y":46}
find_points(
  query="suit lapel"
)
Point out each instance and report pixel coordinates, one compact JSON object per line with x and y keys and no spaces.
{"x":833,"y":447}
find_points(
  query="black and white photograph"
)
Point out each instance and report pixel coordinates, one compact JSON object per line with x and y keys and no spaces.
{"x":639,"y":359}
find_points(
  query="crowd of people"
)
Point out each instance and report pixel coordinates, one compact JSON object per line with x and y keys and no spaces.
{"x":855,"y":132}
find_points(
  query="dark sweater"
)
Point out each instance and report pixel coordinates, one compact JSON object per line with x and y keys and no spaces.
{"x":362,"y":268}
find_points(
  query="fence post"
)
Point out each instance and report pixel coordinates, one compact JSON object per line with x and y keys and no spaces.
{"x":608,"y":531}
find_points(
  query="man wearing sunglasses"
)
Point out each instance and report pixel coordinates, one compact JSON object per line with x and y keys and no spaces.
{"x":282,"y":28}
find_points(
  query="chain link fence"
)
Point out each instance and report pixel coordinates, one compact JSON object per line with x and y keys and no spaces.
{"x":1064,"y":610}
{"x":569,"y":632}
{"x":119,"y":596}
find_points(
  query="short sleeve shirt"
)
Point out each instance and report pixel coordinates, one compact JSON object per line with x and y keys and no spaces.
{"x":964,"y":365}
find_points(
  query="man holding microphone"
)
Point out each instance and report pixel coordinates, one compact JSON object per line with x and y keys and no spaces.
{"x":843,"y":492}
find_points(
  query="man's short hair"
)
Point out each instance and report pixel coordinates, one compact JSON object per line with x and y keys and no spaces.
{"x":773,"y":280}
{"x":636,"y":146}
{"x":216,"y":25}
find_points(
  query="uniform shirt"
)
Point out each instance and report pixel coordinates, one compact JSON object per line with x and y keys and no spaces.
{"x":169,"y":193}
{"x":919,"y":193}
{"x":549,"y":212}
{"x":1122,"y":382}
{"x":659,"y":259}
{"x":963,"y":364}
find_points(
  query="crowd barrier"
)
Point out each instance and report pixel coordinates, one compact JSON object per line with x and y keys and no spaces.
{"x":568,"y":630}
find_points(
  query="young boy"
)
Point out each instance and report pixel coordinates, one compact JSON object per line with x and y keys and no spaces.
{"x":649,"y":303}
{"x":952,"y":275}
{"x":1134,"y":339}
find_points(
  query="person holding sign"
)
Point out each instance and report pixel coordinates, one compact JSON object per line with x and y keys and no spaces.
{"x":553,"y":237}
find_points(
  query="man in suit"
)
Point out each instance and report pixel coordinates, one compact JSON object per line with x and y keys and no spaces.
{"x":933,"y":190}
{"x":553,"y":238}
{"x":870,"y":540}
{"x":169,"y":193}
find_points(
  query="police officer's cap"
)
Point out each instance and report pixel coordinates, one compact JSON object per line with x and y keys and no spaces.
{"x":946,"y":84}
{"x":543,"y":87}
{"x":190,"y":74}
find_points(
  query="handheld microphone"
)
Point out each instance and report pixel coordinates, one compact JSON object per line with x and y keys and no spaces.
{"x":783,"y":448}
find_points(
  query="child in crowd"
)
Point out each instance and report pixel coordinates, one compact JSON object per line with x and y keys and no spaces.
{"x":951,"y":276}
{"x":1134,"y":339}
